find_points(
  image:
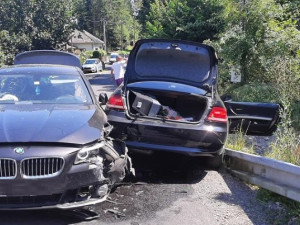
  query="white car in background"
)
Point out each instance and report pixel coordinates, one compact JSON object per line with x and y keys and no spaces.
{"x":113,"y":58}
{"x":92,"y":66}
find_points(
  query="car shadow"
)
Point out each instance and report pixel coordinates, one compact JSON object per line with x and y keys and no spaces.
{"x":164,"y":168}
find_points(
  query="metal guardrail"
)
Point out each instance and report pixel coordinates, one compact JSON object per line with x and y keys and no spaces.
{"x":274,"y":175}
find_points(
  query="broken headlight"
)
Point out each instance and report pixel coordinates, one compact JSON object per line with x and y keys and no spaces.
{"x":89,"y":154}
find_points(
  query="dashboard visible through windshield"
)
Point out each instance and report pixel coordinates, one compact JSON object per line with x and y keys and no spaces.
{"x":43,"y":89}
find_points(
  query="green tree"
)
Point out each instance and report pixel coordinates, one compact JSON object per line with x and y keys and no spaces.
{"x":120,"y":23}
{"x":35,"y":24}
{"x":143,"y":12}
{"x":257,"y":34}
{"x":195,"y":20}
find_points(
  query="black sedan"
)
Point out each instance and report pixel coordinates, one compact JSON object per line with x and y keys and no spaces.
{"x":169,"y":103}
{"x":54,"y":146}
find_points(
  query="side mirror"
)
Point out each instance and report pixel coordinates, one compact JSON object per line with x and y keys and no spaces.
{"x":226,"y":98}
{"x":103,"y":99}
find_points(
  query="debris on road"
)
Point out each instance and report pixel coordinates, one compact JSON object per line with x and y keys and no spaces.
{"x":115,"y":212}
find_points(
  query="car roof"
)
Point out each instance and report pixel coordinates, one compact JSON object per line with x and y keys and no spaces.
{"x":47,"y":57}
{"x":39,"y":68}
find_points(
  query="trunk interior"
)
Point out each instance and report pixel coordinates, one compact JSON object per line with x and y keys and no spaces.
{"x":176,"y":106}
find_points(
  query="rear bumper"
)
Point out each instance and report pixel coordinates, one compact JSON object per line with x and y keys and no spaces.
{"x":204,"y":139}
{"x":193,"y":152}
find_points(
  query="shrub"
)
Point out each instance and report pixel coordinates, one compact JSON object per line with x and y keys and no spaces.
{"x":287,"y":144}
{"x":266,"y":93}
{"x":96,"y":54}
{"x":255,"y":93}
{"x":102,"y":53}
{"x":295,"y":115}
{"x":238,"y":142}
{"x":99,"y":54}
{"x":85,"y":55}
{"x":2,"y":59}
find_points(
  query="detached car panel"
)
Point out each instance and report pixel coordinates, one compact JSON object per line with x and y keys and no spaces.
{"x":253,"y":118}
{"x":169,"y":101}
{"x":55,"y":151}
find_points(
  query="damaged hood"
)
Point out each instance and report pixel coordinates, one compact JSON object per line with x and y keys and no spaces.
{"x":74,"y":124}
{"x":173,"y":61}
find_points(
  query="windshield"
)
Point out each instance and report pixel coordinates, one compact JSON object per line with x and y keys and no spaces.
{"x":90,"y":61}
{"x":113,"y":56}
{"x":43,"y":89}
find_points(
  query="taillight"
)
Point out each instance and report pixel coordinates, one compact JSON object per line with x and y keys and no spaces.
{"x":115,"y":102}
{"x":217,"y":114}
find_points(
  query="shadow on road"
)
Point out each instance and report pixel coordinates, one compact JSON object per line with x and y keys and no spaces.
{"x":167,"y":168}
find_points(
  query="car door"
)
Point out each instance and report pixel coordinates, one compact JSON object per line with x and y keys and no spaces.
{"x":253,"y":118}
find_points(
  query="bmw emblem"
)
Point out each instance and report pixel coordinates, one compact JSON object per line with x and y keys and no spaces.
{"x":19,"y":150}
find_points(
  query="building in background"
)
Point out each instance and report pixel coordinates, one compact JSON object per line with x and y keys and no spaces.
{"x":85,"y":41}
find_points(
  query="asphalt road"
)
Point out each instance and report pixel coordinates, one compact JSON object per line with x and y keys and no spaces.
{"x":101,"y":83}
{"x":163,"y":194}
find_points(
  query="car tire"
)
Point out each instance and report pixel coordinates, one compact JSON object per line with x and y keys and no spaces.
{"x":215,"y":163}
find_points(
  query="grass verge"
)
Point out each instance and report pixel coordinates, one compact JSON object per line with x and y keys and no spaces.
{"x":289,"y":209}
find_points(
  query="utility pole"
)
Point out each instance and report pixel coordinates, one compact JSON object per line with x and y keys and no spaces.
{"x":122,"y":36}
{"x":104,"y":33}
{"x":134,"y":31}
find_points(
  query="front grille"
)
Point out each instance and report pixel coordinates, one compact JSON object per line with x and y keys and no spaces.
{"x":7,"y":168}
{"x":41,"y":167}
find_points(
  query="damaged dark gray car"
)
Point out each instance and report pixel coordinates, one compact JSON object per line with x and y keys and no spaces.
{"x":54,"y":146}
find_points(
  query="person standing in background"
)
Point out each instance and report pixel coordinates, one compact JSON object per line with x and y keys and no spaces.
{"x":118,"y":70}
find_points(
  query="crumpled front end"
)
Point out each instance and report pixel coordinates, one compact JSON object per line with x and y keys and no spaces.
{"x":60,"y":177}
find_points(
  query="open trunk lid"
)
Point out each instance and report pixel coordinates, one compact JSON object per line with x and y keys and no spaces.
{"x":173,"y":61}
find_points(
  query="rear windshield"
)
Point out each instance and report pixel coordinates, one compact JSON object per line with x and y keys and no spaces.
{"x":44,"y":89}
{"x":162,"y":61}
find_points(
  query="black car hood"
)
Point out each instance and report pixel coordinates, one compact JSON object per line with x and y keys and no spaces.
{"x":173,"y":61}
{"x":73,"y":124}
